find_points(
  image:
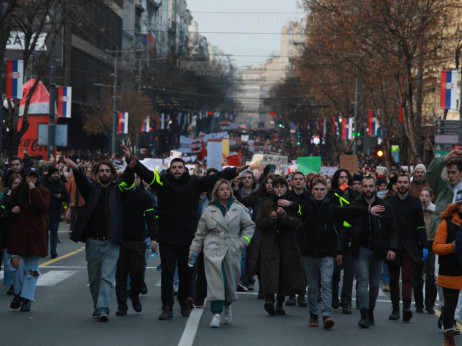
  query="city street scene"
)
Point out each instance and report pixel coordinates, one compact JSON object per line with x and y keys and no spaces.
{"x":178,"y":172}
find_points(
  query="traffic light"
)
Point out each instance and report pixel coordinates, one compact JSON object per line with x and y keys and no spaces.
{"x":379,"y":151}
{"x":280,"y":125}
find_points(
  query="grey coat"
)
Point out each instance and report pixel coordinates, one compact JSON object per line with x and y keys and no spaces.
{"x":222,"y":239}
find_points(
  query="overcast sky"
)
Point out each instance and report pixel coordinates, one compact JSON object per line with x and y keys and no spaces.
{"x":258,"y":21}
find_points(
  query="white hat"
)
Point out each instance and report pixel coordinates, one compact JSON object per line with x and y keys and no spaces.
{"x":421,"y":166}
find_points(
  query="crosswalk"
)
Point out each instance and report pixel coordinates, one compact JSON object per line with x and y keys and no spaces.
{"x":51,"y":278}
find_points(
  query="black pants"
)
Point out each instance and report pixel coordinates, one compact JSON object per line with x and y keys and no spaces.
{"x":198,"y":287}
{"x":430,"y":284}
{"x":450,"y":303}
{"x":348,"y":279}
{"x":170,"y":257}
{"x":131,"y":262}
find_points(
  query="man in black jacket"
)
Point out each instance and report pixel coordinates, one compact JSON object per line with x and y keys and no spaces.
{"x":412,"y":246}
{"x":58,"y":196}
{"x":342,"y":195}
{"x":369,"y":240}
{"x":178,"y":195}
{"x":100,"y":226}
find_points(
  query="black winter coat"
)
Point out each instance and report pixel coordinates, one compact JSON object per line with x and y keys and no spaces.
{"x":319,"y":236}
{"x":411,"y":227}
{"x":56,"y":204}
{"x":377,"y":233}
{"x":179,"y":201}
{"x":90,"y":191}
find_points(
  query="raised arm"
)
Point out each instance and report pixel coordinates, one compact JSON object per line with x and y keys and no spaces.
{"x":83,"y":184}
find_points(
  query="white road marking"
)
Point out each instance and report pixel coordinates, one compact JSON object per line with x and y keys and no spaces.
{"x":158,"y":283}
{"x":190,"y":331}
{"x":54,"y":277}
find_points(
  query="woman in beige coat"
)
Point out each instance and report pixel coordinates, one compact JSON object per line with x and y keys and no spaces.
{"x":224,"y":229}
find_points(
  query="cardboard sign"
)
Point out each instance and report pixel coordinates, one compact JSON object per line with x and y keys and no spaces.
{"x":214,"y":154}
{"x":309,"y":164}
{"x":350,"y":163}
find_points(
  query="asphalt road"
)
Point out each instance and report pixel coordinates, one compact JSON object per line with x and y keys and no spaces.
{"x":62,"y":315}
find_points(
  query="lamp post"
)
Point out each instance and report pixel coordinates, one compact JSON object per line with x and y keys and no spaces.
{"x":115,"y":103}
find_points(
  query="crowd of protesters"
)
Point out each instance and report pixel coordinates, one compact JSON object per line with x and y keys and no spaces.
{"x":223,"y":230}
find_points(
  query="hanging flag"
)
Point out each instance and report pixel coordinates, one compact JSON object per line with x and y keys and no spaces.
{"x":145,"y":126}
{"x":372,"y":124}
{"x":448,"y":90}
{"x":161,"y":124}
{"x":64,"y":102}
{"x":149,"y":41}
{"x":14,"y":78}
{"x":334,"y":126}
{"x":123,"y":122}
{"x":347,"y":128}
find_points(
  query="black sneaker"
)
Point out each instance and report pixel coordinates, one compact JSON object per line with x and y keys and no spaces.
{"x":301,"y":301}
{"x":269,"y":308}
{"x":25,"y":305}
{"x":430,"y":309}
{"x":280,"y":309}
{"x":144,"y":288}
{"x":10,"y":292}
{"x":241,"y":287}
{"x":314,"y":320}
{"x":167,"y":313}
{"x":53,"y":255}
{"x":103,"y":317}
{"x":184,"y":306}
{"x":291,"y":301}
{"x":16,"y":302}
{"x":419,"y":310}
{"x":136,"y":303}
{"x":121,"y":312}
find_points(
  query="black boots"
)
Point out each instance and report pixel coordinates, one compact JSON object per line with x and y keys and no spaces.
{"x":395,"y":311}
{"x":364,"y":321}
{"x":407,"y":312}
{"x":269,"y":304}
{"x":371,"y":315}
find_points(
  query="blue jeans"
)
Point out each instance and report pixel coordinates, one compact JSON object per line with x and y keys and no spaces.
{"x":53,"y":238}
{"x":313,"y":267}
{"x":385,"y":275}
{"x":369,"y":271}
{"x":24,"y":282}
{"x":101,"y":265}
{"x":7,"y":276}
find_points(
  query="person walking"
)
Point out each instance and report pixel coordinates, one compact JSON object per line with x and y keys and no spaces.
{"x":100,"y":227}
{"x":429,"y":265}
{"x":412,"y":246}
{"x":224,"y":229}
{"x":178,"y":195}
{"x":58,"y":196}
{"x":282,"y":272}
{"x":450,"y":270}
{"x":27,"y":240}
{"x":370,"y":240}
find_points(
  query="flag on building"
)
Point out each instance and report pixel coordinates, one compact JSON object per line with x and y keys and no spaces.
{"x":161,"y":122}
{"x":123,"y":122}
{"x":64,"y":102}
{"x":347,"y":128}
{"x":448,"y":90}
{"x":322,"y":126}
{"x":373,"y":125}
{"x":145,"y":126}
{"x":14,"y":78}
{"x":335,"y":126}
{"x":149,"y":41}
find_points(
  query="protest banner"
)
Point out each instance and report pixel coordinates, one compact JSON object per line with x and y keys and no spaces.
{"x":309,"y":164}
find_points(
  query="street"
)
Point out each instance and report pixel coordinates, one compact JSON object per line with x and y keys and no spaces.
{"x":62,"y":315}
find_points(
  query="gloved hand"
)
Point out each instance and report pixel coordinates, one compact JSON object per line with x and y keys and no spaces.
{"x":425,"y":254}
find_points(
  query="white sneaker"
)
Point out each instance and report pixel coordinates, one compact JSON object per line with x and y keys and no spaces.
{"x":227,"y":316}
{"x":215,"y":321}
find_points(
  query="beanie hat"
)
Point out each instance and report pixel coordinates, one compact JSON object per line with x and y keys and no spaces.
{"x":357,"y":177}
{"x":421,"y":166}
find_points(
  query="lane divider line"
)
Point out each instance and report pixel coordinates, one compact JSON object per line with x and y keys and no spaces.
{"x":44,"y":264}
{"x":190,"y":330}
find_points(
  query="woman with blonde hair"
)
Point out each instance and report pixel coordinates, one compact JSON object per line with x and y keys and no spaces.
{"x":224,"y":229}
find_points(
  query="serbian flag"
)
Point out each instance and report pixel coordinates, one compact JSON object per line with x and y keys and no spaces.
{"x":372,"y":124}
{"x":123,"y":122}
{"x":448,"y":90}
{"x":64,"y":102}
{"x":145,"y":126}
{"x":161,"y":125}
{"x":347,"y":128}
{"x":14,"y":78}
{"x":334,"y":126}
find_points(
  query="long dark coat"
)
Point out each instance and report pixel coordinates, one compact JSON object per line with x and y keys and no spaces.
{"x":282,"y":268}
{"x":28,"y":228}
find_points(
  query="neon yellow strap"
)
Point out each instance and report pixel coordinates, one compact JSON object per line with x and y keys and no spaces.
{"x":156,"y":178}
{"x":342,"y":200}
{"x":346,"y":224}
{"x":299,"y":212}
{"x":123,"y":186}
{"x":420,"y":227}
{"x":147,"y":211}
{"x":246,"y":238}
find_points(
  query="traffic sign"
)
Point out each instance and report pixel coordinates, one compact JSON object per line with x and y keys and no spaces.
{"x":441,"y":153}
{"x":443,"y":147}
